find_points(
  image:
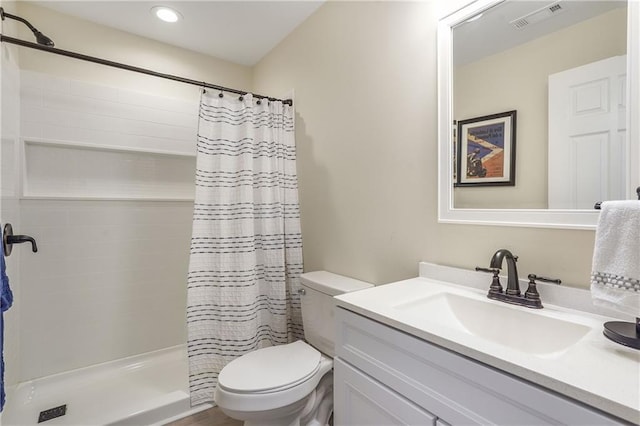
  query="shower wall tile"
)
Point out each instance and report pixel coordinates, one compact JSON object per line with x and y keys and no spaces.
{"x":39,"y":80}
{"x":31,"y":129}
{"x":92,"y":90}
{"x":174,"y":118}
{"x":157,"y":102}
{"x":57,"y":84}
{"x":34,"y":113}
{"x":31,"y":79}
{"x":9,"y":202}
{"x":58,"y":132}
{"x":71,"y":105}
{"x":109,"y":280}
{"x":30,"y":95}
{"x":164,"y":144}
{"x":86,"y":120}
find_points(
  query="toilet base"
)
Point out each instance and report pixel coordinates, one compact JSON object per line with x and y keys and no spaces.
{"x":283,"y":416}
{"x":313,"y":410}
{"x":320,"y":404}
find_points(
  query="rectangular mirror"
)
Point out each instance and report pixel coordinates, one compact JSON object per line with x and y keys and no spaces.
{"x":564,"y":68}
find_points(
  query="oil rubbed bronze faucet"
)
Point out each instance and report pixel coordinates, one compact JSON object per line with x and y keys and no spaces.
{"x":530,"y":299}
{"x":513,"y":286}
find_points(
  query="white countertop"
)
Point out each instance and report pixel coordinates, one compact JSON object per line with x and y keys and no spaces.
{"x":594,"y":370}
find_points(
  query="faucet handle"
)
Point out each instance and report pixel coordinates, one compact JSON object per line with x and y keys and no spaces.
{"x":534,"y":277}
{"x":494,"y":271}
{"x":495,"y":287}
{"x":532,"y":293}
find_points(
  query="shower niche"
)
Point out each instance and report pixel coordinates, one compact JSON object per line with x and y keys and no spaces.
{"x":51,"y":169}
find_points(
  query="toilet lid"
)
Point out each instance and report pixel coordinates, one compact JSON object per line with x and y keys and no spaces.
{"x":270,"y":368}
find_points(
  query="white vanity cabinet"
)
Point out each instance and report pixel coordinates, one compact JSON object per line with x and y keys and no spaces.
{"x":384,"y":376}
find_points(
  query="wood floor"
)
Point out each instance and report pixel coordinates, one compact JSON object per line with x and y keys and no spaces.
{"x":211,"y":417}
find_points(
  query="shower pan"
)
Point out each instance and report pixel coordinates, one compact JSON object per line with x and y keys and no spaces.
{"x":149,"y":389}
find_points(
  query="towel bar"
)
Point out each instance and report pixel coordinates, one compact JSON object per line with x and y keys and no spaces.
{"x":598,"y":205}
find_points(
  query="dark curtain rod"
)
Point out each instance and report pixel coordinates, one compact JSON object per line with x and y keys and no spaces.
{"x":17,"y":41}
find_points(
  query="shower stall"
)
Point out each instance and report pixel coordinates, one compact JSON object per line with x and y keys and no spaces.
{"x":102,"y":179}
{"x":101,"y":176}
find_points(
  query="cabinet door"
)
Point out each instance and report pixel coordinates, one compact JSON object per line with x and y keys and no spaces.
{"x":362,"y":401}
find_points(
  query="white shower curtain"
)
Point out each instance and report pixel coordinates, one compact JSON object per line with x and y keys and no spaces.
{"x":246,"y":246}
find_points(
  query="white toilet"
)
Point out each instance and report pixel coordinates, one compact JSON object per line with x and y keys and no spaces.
{"x":290,"y":385}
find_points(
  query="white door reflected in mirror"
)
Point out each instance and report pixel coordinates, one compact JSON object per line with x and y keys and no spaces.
{"x":587,"y":134}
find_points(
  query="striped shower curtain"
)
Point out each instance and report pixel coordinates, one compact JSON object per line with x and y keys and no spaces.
{"x":246,"y":246}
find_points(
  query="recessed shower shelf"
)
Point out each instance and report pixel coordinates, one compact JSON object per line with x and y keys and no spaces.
{"x":63,"y":170}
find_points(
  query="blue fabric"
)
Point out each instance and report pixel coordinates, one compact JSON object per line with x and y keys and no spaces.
{"x":6,"y":300}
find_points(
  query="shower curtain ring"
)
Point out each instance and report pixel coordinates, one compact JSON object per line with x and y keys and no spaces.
{"x":221,"y":95}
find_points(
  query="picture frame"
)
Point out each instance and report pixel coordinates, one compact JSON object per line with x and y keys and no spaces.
{"x":486,"y":150}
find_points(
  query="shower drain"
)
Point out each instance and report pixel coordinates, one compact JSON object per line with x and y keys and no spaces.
{"x":52,"y":413}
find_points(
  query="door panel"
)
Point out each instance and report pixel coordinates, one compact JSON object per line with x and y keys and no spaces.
{"x":587,"y":134}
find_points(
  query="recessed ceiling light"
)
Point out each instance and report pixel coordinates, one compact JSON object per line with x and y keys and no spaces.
{"x":165,"y":13}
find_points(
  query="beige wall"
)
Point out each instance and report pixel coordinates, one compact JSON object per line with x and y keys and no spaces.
{"x":364,"y":75}
{"x":517,"y":79}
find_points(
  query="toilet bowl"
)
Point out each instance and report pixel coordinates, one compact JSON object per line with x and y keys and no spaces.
{"x":289,"y":385}
{"x":272,"y":386}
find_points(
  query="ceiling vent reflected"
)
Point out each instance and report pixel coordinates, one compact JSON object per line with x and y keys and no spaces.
{"x":538,"y":15}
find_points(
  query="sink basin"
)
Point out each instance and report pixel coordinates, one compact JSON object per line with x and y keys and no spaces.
{"x":528,"y":331}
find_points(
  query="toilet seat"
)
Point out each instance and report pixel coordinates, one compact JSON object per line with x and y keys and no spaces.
{"x":234,"y":389}
{"x":288,"y":365}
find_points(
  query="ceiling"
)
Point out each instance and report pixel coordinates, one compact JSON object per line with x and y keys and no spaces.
{"x":493,"y":31}
{"x":243,"y":32}
{"x":238,"y":31}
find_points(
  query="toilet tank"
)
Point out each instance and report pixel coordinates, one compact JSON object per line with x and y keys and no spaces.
{"x":318,"y":306}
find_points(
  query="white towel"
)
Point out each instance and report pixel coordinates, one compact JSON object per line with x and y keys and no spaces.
{"x":615,"y":278}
